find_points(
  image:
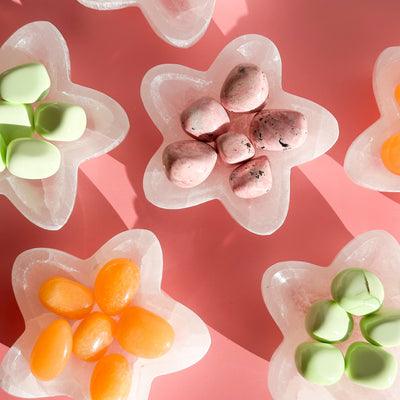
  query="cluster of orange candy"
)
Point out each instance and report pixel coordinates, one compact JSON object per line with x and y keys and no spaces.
{"x":138,"y":331}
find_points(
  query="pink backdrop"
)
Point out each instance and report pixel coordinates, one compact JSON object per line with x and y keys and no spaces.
{"x":211,"y":264}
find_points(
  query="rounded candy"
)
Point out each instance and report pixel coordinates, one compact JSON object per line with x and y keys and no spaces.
{"x":358,"y":291}
{"x":93,"y":336}
{"x":370,"y":366}
{"x":390,"y":153}
{"x":66,"y":298}
{"x":16,"y":121}
{"x":205,"y":119}
{"x":328,"y":322}
{"x":143,"y":333}
{"x":319,"y":363}
{"x":111,"y":378}
{"x":116,"y":285}
{"x":244,"y":89}
{"x":60,"y":121}
{"x":278,"y":130}
{"x":30,"y":158}
{"x":52,"y":350}
{"x":234,"y":147}
{"x":383,"y":327}
{"x":3,"y":152}
{"x":26,"y":83}
{"x":189,"y":162}
{"x":252,"y":179}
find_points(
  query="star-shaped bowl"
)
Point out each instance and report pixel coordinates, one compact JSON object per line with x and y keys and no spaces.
{"x":33,"y":267}
{"x":179,"y":22}
{"x":363,"y":163}
{"x":168,"y":89}
{"x":48,"y":202}
{"x":289,"y":288}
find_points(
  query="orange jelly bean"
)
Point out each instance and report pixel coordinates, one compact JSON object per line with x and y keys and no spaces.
{"x":93,"y":336}
{"x":66,"y":298}
{"x":116,"y":285}
{"x":390,"y":154}
{"x":111,"y":378}
{"x":52,"y":350}
{"x":143,"y":333}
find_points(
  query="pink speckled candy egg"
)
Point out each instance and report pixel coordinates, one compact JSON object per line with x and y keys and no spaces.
{"x":234,"y":147}
{"x":205,"y":119}
{"x":278,"y":130}
{"x":244,"y":89}
{"x":252,"y":178}
{"x":188,"y":162}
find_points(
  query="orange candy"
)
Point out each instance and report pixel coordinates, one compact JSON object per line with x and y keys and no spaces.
{"x":93,"y":336}
{"x":390,"y":154}
{"x":52,"y":350}
{"x":116,"y":285}
{"x":111,"y":378}
{"x":66,"y":298}
{"x":143,"y":333}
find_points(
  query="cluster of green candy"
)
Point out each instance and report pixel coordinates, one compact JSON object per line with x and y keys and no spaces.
{"x":355,"y":292}
{"x":24,"y":155}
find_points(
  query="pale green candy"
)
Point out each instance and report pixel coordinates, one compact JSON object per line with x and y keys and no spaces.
{"x":319,"y":363}
{"x":358,"y":291}
{"x":370,"y":366}
{"x":383,"y":327}
{"x":3,"y":151}
{"x":328,"y":322}
{"x":32,"y":158}
{"x":16,"y":121}
{"x":26,"y":83}
{"x":60,"y":121}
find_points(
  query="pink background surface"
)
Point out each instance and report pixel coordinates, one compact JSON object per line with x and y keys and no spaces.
{"x":211,"y":264}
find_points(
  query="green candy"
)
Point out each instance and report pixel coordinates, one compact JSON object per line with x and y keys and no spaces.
{"x":26,"y":83}
{"x":370,"y":366}
{"x":16,"y":121}
{"x":3,"y":151}
{"x":326,"y":321}
{"x":358,"y":291}
{"x":30,"y":158}
{"x":60,"y":121}
{"x":383,"y":327}
{"x":319,"y":363}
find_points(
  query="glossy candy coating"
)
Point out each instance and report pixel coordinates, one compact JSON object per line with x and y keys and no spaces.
{"x":16,"y":121}
{"x":52,"y":350}
{"x":116,"y":285}
{"x":66,"y":298}
{"x":111,"y":378}
{"x":234,"y":147}
{"x":93,"y":336}
{"x":3,"y":151}
{"x":390,"y":153}
{"x":143,"y":333}
{"x":26,"y":83}
{"x":319,"y":363}
{"x":371,"y":366}
{"x":60,"y":121}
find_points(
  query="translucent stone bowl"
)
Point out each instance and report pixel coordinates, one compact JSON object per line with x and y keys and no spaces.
{"x":33,"y":267}
{"x":180,"y":23}
{"x":363,"y":163}
{"x":48,"y":202}
{"x":168,"y":89}
{"x":289,"y":288}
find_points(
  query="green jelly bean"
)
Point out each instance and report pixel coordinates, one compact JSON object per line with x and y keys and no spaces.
{"x":371,"y":366}
{"x":26,"y":83}
{"x":326,"y":321}
{"x":60,"y":121}
{"x":319,"y":363}
{"x":30,"y":158}
{"x":383,"y":327}
{"x":358,"y":291}
{"x":16,"y":121}
{"x":3,"y":151}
